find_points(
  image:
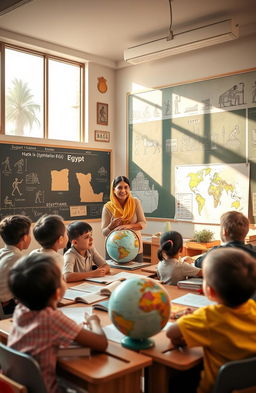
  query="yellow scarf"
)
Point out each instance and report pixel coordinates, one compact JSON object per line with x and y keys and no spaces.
{"x":126,"y":212}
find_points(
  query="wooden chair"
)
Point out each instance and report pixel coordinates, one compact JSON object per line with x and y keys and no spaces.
{"x":238,"y":375}
{"x":22,"y":369}
{"x":7,"y":385}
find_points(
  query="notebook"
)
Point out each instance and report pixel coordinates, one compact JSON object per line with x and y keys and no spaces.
{"x":127,"y":266}
{"x":88,"y":298}
{"x":193,"y":300}
{"x":73,"y":350}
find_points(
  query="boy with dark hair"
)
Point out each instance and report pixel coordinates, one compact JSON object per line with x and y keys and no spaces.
{"x":15,"y":232}
{"x":80,"y":257}
{"x":51,"y":234}
{"x":234,"y":227}
{"x":39,"y":328}
{"x":227,"y":330}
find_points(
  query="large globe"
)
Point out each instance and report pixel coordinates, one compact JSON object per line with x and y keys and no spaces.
{"x":139,"y":308}
{"x":122,"y":246}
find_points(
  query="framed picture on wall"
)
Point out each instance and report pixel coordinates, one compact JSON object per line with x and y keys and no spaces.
{"x":101,"y":136}
{"x":102,"y":113}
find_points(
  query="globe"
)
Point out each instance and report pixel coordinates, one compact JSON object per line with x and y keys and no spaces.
{"x":139,"y":308}
{"x":122,"y":246}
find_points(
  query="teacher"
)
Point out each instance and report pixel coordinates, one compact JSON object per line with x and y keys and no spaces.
{"x":123,"y":211}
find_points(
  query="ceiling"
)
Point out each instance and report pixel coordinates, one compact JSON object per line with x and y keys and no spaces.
{"x":106,"y":27}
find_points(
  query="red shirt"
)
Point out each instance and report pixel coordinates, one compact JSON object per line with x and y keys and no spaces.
{"x":40,"y":333}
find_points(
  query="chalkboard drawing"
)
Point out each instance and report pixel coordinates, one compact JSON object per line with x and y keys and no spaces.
{"x":233,"y":96}
{"x":6,"y":165}
{"x":39,"y":197}
{"x":254,"y":93}
{"x":32,"y":178}
{"x":213,"y":189}
{"x":15,"y":186}
{"x":193,"y":108}
{"x":176,"y":104}
{"x":207,"y":104}
{"x":102,"y":171}
{"x":86,"y":190}
{"x":167,"y":109}
{"x":149,"y":196}
{"x":7,"y":202}
{"x":19,"y":165}
{"x":150,"y":144}
{"x":233,"y":139}
{"x":60,"y":180}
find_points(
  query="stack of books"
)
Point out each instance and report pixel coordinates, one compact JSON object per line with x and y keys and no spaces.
{"x":193,"y":284}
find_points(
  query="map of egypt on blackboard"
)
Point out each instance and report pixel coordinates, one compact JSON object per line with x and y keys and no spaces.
{"x":37,"y":180}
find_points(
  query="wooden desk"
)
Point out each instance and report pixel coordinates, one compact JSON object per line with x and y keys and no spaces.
{"x":117,"y":370}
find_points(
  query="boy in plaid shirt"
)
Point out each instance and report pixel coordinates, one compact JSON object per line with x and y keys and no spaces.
{"x":39,"y":328}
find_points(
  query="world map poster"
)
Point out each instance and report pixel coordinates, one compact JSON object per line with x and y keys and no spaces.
{"x":204,"y":192}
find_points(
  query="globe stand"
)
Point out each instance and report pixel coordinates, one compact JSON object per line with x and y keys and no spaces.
{"x":137,"y":344}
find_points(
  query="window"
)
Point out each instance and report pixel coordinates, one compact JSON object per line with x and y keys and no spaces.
{"x":23,"y":93}
{"x":43,"y":96}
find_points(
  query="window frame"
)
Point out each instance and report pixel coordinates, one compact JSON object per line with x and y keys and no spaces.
{"x":46,"y":57}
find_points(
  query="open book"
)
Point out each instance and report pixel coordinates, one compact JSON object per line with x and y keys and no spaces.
{"x":85,"y":297}
{"x":73,"y":350}
{"x":103,"y":306}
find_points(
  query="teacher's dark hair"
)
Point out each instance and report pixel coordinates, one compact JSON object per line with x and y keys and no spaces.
{"x":170,"y":242}
{"x":118,"y":180}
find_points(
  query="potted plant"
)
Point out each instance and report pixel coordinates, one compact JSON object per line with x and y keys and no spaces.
{"x":204,"y":236}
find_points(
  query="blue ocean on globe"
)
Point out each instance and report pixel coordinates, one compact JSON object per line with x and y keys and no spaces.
{"x":122,"y":246}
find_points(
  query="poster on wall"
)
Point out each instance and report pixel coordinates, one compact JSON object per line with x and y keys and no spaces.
{"x":204,"y":192}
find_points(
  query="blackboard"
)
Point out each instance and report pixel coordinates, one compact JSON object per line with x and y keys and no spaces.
{"x":45,"y":179}
{"x":210,"y":121}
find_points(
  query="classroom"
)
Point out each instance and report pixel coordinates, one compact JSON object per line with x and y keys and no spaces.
{"x":160,"y":117}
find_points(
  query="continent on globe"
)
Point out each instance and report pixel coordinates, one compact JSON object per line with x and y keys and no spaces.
{"x":124,"y":325}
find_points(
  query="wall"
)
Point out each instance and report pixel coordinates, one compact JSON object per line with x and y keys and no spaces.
{"x":225,"y":58}
{"x":92,"y":73}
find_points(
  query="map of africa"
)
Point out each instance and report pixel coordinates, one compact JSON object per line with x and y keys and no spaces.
{"x":204,"y":192}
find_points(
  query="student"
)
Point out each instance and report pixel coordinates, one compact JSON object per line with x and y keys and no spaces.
{"x":227,"y":330}
{"x":15,"y":232}
{"x":51,"y":234}
{"x":123,"y":211}
{"x":79,"y":259}
{"x":234,"y":227}
{"x":171,"y":269}
{"x":39,"y":328}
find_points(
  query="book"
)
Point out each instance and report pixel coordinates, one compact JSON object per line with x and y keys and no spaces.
{"x":193,"y":300}
{"x":114,"y":277}
{"x":195,"y":283}
{"x":76,"y":313}
{"x":127,"y":266}
{"x":73,"y":350}
{"x":103,"y":306}
{"x":85,"y":297}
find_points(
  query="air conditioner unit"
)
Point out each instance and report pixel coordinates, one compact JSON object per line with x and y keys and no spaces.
{"x":212,"y":34}
{"x":9,"y":5}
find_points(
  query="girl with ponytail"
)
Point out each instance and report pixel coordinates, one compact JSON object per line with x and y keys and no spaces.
{"x":171,"y":268}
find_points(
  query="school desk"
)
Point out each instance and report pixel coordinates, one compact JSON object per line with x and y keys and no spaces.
{"x":165,"y":357}
{"x":114,"y":371}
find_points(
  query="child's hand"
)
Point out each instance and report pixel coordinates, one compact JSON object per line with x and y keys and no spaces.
{"x":100,"y":272}
{"x":91,"y":319}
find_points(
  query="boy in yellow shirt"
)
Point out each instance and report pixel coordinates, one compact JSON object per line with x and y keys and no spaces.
{"x":227,"y":330}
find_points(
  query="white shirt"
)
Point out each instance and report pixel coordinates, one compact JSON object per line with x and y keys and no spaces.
{"x":9,"y":255}
{"x":58,"y":258}
{"x":75,"y":262}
